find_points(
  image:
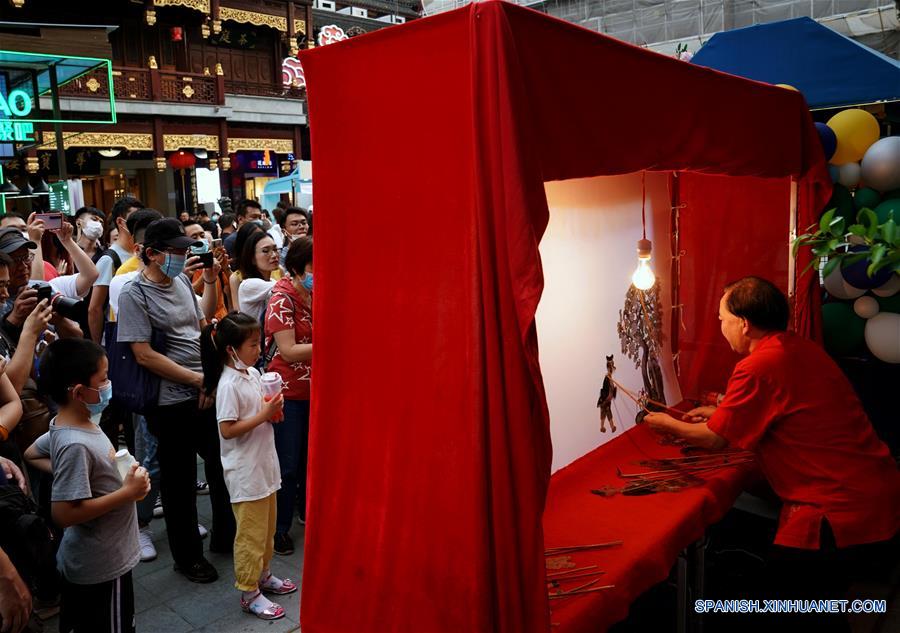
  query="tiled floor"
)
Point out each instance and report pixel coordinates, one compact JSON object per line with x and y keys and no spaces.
{"x":165,"y":602}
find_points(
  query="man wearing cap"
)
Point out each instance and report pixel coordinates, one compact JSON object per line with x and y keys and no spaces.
{"x":22,"y":300}
{"x":161,"y":299}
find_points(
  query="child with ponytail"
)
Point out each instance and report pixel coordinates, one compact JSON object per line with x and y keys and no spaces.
{"x":229,"y":350}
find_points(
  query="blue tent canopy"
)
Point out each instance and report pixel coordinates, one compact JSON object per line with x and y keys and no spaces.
{"x":830,"y":69}
{"x":298,"y":189}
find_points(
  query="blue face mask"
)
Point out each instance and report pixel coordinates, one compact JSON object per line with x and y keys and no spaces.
{"x":306,"y":282}
{"x":173,"y":265}
{"x":199,"y":250}
{"x":96,"y":408}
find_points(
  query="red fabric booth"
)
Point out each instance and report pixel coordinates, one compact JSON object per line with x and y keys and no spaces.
{"x":429,"y":448}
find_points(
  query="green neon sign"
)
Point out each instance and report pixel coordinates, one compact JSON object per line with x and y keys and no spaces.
{"x":15,"y":101}
{"x":16,"y":131}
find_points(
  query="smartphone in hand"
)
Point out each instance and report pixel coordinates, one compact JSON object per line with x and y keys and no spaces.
{"x":52,"y":221}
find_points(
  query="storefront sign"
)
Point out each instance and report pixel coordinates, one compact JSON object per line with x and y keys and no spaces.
{"x":16,"y":132}
{"x":17,"y":103}
{"x":59,"y":197}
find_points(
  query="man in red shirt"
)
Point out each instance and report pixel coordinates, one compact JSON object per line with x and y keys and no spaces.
{"x":789,"y":402}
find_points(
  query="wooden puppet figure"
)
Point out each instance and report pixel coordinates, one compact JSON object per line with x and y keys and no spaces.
{"x":607,"y":395}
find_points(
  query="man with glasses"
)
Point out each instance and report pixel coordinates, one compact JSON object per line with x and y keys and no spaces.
{"x":161,"y":299}
{"x":22,"y":299}
{"x":294,"y":223}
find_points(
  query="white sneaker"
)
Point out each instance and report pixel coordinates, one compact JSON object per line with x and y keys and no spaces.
{"x":145,"y":540}
{"x":158,"y":508}
{"x":203,"y":531}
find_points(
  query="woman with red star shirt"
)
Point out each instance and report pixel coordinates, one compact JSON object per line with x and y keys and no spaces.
{"x":789,"y":402}
{"x":289,"y":346}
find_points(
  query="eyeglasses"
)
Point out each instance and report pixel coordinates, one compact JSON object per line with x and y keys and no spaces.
{"x":23,"y":259}
{"x":267,"y":251}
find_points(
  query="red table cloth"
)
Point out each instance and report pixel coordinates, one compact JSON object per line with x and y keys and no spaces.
{"x":654,"y":528}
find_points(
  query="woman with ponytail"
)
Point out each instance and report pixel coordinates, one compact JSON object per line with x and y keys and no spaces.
{"x":228,"y":350}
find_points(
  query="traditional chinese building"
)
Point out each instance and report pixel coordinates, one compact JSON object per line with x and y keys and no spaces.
{"x":208,"y":97}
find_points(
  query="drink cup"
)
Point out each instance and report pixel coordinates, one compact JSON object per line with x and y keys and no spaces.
{"x":272,"y":384}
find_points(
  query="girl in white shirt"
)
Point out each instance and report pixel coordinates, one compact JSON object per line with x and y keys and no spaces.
{"x":228,"y":350}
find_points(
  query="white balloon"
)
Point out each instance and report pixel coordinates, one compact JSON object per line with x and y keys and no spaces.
{"x":883,"y":336}
{"x":881,"y":164}
{"x":866,"y":307}
{"x":840,"y":289}
{"x":848,"y":174}
{"x":889,"y":289}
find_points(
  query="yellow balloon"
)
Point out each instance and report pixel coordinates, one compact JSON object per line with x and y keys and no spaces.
{"x":856,"y":130}
{"x":788,"y":86}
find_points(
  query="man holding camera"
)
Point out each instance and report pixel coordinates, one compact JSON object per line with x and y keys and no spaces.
{"x":195,"y":231}
{"x":24,"y":297}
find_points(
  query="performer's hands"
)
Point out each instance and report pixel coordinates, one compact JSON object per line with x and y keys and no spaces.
{"x":700,"y":414}
{"x":660,"y":422}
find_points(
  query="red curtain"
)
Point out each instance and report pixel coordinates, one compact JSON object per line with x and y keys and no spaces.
{"x":731,"y":228}
{"x":429,"y":443}
{"x":752,"y":220}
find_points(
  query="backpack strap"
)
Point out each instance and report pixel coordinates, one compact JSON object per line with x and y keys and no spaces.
{"x":114,"y":256}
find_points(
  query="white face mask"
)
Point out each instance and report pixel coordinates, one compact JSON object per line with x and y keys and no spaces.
{"x":238,"y":363}
{"x":92,"y":229}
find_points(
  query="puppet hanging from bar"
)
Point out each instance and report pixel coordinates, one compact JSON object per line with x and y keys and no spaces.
{"x":640,"y":332}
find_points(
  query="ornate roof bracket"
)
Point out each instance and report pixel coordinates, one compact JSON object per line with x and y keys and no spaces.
{"x":279,"y":23}
{"x":175,"y":142}
{"x":277,"y":145}
{"x":129,"y":141}
{"x":198,"y":5}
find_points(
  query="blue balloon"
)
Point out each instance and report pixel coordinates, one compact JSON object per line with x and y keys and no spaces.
{"x":856,"y":275}
{"x":828,"y":139}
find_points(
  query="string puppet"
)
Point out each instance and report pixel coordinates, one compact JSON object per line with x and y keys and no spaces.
{"x":607,"y":395}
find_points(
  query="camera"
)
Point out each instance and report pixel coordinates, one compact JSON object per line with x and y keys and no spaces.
{"x":62,"y":305}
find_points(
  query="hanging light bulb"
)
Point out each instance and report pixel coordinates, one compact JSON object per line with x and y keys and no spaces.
{"x":643,"y":277}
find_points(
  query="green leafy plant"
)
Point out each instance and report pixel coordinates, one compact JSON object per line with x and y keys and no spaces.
{"x":833,"y":239}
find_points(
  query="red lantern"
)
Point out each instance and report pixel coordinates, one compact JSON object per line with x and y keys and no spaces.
{"x":177,"y":33}
{"x":182,"y":160}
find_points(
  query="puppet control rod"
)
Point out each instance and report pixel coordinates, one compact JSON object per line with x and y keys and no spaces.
{"x":643,"y":401}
